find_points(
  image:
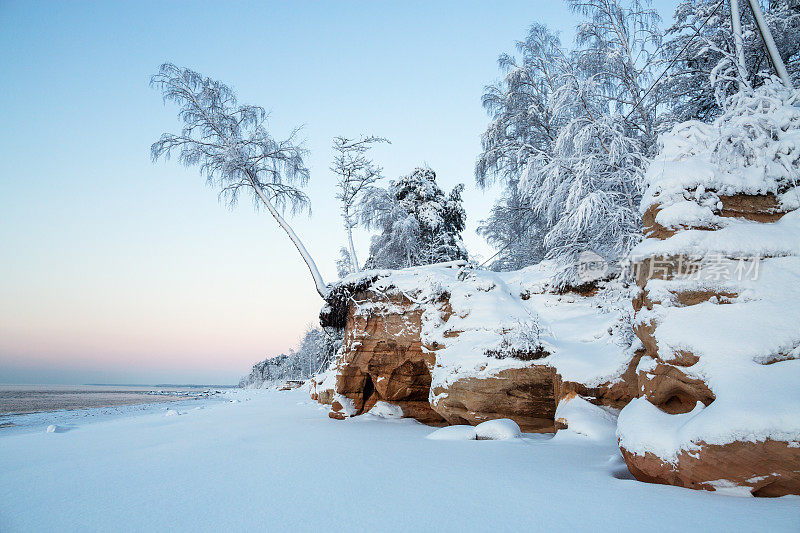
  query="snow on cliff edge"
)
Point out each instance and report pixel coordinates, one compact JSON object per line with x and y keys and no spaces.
{"x":482,"y":322}
{"x":747,"y":334}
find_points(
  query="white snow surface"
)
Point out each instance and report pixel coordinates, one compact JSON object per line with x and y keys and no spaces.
{"x":454,"y":433}
{"x":386,"y":410}
{"x":278,"y":463}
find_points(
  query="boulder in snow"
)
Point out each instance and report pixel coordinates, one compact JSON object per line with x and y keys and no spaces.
{"x":499,"y":429}
{"x":454,"y":433}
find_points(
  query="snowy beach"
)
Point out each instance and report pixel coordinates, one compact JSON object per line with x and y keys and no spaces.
{"x":269,"y":460}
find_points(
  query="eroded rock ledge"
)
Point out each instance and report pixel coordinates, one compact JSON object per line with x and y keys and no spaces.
{"x":450,"y":345}
{"x":716,"y":311}
{"x":709,"y":388}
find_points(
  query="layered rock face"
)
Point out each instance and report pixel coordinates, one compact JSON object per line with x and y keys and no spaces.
{"x":526,"y":395}
{"x":765,"y":468}
{"x":717,"y":312}
{"x":674,"y":378}
{"x":615,"y":393}
{"x":449,"y":345}
{"x":383,"y":360}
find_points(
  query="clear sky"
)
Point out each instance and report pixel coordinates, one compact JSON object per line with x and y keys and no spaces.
{"x":117,"y":270}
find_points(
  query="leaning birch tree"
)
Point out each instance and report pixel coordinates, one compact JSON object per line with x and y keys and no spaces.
{"x":355,"y":172}
{"x":231,"y":146}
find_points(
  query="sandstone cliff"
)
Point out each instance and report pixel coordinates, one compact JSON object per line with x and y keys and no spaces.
{"x":453,"y":345}
{"x":701,"y":353}
{"x":718,"y":309}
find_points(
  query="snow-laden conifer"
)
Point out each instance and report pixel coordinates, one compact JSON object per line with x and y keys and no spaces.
{"x":418,"y":224}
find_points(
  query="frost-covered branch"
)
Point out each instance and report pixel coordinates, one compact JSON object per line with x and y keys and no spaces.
{"x":355,"y":174}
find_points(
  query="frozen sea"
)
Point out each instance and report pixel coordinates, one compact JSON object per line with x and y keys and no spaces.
{"x":25,"y":407}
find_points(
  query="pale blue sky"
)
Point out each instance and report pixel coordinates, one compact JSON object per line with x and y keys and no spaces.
{"x":117,"y":270}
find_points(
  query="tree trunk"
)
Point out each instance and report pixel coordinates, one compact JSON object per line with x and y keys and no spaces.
{"x":769,"y":43}
{"x":736,"y":24}
{"x":322,"y":289}
{"x":353,"y":258}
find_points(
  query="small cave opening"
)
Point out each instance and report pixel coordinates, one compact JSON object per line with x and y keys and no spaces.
{"x":677,"y":402}
{"x":370,"y":395}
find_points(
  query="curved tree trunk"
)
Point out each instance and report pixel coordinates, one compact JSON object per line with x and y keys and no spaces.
{"x":322,"y":289}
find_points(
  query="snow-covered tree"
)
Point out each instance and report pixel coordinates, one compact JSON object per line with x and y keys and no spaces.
{"x":758,"y":130}
{"x":686,"y":90}
{"x":313,"y":353}
{"x":573,"y":130}
{"x":522,"y":126}
{"x":344,"y":264}
{"x":313,"y":350}
{"x":397,"y":242}
{"x":418,"y":224}
{"x":355,"y":172}
{"x":515,"y":230}
{"x":231,"y":146}
{"x":616,"y":46}
{"x":522,"y":123}
{"x":589,"y":188}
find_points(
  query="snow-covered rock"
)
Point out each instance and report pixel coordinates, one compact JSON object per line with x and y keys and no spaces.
{"x":498,"y":429}
{"x":451,"y":344}
{"x":386,"y":410}
{"x":322,"y":386}
{"x":719,"y":305}
{"x":580,"y":417}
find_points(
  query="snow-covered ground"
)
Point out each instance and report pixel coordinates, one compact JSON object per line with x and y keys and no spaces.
{"x":274,"y":461}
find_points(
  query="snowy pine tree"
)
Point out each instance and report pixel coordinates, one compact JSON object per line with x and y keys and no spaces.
{"x":417,"y":223}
